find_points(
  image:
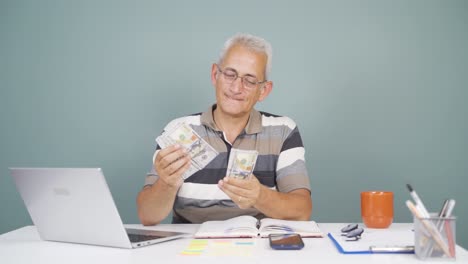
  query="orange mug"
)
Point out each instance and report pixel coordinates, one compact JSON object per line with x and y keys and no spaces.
{"x":377,"y":208}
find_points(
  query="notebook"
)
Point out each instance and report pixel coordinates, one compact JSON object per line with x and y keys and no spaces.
{"x":249,"y":226}
{"x":75,"y":205}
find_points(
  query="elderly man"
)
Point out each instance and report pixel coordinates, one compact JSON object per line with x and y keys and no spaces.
{"x":279,"y":185}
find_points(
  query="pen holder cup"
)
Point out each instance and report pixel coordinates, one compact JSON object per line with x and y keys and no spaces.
{"x":434,"y":237}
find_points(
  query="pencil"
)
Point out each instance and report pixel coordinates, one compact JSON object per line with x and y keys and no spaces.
{"x":450,"y":238}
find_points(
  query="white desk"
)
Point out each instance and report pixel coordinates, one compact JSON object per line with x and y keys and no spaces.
{"x":24,"y":246}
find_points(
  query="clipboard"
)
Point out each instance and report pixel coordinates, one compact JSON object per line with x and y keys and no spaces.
{"x":382,"y":241}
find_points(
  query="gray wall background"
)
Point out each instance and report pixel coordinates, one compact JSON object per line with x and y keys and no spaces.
{"x":378,"y":89}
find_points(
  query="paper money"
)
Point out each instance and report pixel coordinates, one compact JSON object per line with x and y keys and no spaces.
{"x":241,"y":163}
{"x":199,"y":150}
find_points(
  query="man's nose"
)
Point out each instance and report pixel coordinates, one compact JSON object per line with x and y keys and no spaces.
{"x":237,"y":85}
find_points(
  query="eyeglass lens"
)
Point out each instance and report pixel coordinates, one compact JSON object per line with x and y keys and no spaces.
{"x":349,"y":228}
{"x":230,"y":75}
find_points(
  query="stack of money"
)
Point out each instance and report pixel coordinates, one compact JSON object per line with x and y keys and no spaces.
{"x":199,"y":150}
{"x":241,"y":163}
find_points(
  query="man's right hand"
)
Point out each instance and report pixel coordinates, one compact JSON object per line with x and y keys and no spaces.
{"x":171,"y":163}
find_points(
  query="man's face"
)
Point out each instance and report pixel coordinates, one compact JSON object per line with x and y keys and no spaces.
{"x":234,"y":99}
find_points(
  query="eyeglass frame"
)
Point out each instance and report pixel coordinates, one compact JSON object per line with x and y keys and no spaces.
{"x":241,"y":77}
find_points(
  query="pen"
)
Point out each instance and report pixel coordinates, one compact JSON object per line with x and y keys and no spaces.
{"x":450,"y":206}
{"x":419,"y":203}
{"x":392,"y":249}
{"x":443,"y":211}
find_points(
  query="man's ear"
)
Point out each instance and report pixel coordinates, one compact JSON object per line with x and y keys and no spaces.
{"x":214,"y":74}
{"x":265,"y":90}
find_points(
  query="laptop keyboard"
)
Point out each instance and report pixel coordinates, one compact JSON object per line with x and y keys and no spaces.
{"x":140,"y":238}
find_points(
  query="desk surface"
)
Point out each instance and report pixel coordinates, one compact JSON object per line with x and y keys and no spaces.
{"x":24,"y":246}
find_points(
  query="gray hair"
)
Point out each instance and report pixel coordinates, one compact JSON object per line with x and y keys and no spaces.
{"x":250,"y":42}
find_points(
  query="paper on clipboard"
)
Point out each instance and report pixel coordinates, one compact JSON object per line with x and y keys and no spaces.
{"x":389,"y":237}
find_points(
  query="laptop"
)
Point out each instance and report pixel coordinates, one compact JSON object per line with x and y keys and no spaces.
{"x":75,"y":205}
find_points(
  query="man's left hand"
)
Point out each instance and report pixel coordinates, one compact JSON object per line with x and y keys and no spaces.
{"x":243,"y":192}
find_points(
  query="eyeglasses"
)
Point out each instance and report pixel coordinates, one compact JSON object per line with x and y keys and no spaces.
{"x":352,"y":232}
{"x":248,"y":81}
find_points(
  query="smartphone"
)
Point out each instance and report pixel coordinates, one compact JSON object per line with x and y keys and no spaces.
{"x":286,"y":241}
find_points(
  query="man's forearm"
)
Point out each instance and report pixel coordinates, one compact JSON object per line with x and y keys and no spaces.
{"x":155,"y":203}
{"x":295,"y":205}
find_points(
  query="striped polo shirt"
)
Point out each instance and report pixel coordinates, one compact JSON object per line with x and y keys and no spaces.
{"x":280,"y":165}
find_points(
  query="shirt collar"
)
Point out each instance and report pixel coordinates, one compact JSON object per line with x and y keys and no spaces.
{"x":254,"y":125}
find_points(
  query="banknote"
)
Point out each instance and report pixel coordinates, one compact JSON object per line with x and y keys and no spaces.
{"x":200,"y":151}
{"x":241,"y":163}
